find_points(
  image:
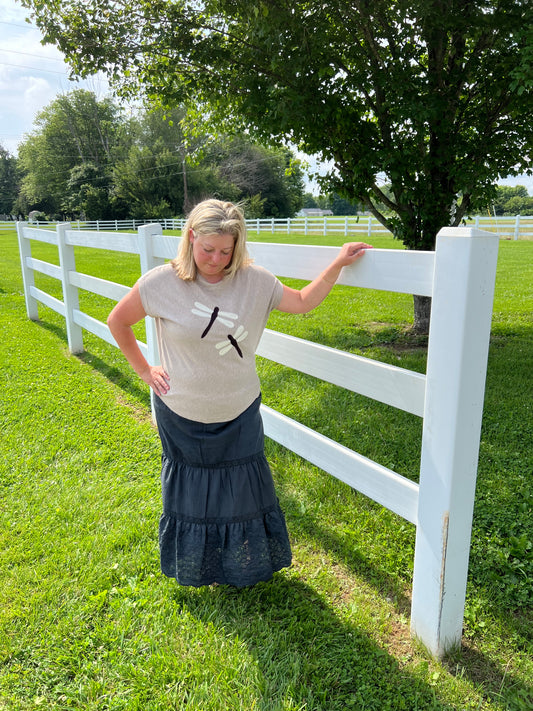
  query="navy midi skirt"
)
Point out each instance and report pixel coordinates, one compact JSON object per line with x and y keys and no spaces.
{"x":221,"y":520}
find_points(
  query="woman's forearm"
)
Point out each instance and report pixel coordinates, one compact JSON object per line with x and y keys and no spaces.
{"x":316,"y":291}
{"x":127,"y":343}
{"x":126,"y":313}
{"x":301,"y":301}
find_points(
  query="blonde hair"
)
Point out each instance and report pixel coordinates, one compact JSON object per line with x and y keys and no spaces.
{"x":212,"y":217}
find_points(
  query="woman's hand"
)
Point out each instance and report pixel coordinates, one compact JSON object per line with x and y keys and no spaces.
{"x":350,"y":252}
{"x":296,"y":301}
{"x":157,"y":378}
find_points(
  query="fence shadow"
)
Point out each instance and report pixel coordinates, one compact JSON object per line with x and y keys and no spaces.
{"x":317,"y":661}
{"x":121,"y":378}
{"x":478,"y":668}
{"x":307,"y":527}
{"x":503,"y":500}
{"x":467,"y":662}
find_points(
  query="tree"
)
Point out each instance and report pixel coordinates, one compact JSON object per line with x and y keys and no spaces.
{"x":342,"y":206}
{"x":270,"y":176}
{"x":73,"y":132}
{"x":519,"y":206}
{"x":8,"y":181}
{"x":87,"y":193}
{"x":165,"y":172}
{"x":434,"y":95}
{"x":153,"y":180}
{"x":512,"y":201}
{"x":309,"y":201}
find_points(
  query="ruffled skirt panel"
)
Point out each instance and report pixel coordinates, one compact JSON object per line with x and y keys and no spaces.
{"x":221,"y":520}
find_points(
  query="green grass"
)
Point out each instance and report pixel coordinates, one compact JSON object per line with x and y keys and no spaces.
{"x":88,"y":622}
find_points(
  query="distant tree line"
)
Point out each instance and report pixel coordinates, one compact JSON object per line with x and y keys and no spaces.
{"x":512,"y":201}
{"x":86,"y":159}
{"x":508,"y":201}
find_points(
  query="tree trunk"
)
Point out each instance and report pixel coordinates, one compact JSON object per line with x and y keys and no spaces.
{"x":422,"y":313}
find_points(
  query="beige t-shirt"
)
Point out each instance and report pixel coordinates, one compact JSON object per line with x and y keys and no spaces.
{"x":207,"y":336}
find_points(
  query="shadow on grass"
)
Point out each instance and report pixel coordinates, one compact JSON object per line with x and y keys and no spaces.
{"x":58,"y":331}
{"x":394,"y":338}
{"x":503,"y":508}
{"x":501,"y":564}
{"x":498,"y":684}
{"x":117,"y":374}
{"x":305,"y":526}
{"x":118,"y":377}
{"x":468,"y":662}
{"x":307,"y":656}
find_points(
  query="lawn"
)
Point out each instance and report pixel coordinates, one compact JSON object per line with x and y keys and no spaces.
{"x":88,"y":622}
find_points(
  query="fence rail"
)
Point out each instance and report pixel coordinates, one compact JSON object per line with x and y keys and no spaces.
{"x":516,"y":227}
{"x":459,"y":276}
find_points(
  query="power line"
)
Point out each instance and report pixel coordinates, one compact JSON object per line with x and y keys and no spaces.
{"x":188,"y":171}
{"x":28,"y":54}
{"x":34,"y":69}
{"x":26,"y":26}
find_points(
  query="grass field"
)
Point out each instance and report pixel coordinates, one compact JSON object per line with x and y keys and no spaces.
{"x":88,"y":622}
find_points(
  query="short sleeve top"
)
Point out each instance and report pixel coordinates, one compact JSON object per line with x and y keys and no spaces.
{"x":207,"y":336}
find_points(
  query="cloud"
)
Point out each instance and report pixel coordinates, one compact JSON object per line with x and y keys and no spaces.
{"x":31,"y":75}
{"x":37,"y":93}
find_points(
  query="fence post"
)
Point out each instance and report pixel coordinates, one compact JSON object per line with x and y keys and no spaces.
{"x":28,"y":278}
{"x":148,"y":261}
{"x":70,"y":293}
{"x":465,"y":268}
{"x":517,"y":227}
{"x":369,"y":226}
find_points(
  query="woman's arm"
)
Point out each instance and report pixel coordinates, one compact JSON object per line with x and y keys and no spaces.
{"x":127,"y":312}
{"x":296,"y":301}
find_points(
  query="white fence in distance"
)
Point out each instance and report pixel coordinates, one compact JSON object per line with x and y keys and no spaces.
{"x":460,"y":277}
{"x":363,"y":227}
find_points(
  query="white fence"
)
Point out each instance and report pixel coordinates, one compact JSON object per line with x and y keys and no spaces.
{"x":518,"y":227}
{"x":459,"y":276}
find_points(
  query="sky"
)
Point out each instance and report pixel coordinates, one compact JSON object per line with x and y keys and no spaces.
{"x":33,"y":74}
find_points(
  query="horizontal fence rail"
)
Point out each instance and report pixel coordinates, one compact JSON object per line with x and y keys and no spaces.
{"x":363,"y":226}
{"x":403,"y":389}
{"x":459,"y":277}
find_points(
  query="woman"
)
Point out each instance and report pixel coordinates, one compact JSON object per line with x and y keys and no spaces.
{"x":221,"y":519}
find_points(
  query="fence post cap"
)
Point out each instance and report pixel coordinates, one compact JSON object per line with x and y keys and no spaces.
{"x":465,"y":233}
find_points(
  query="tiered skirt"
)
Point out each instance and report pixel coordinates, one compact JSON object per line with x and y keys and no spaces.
{"x":221,"y":522}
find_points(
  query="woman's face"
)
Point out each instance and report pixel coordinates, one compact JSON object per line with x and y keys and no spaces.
{"x":212,"y":254}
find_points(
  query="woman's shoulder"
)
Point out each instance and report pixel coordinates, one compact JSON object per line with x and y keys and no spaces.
{"x":256,"y":271}
{"x":162,"y":272}
{"x":162,"y":279}
{"x":262,"y":284}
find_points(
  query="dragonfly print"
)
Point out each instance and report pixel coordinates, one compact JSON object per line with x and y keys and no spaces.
{"x":224,"y":317}
{"x":233,"y":342}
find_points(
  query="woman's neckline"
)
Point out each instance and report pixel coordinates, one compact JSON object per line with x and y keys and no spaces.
{"x":203,"y":280}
